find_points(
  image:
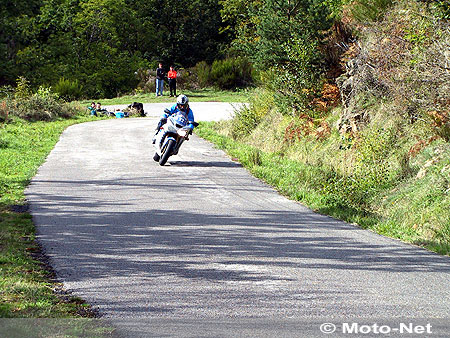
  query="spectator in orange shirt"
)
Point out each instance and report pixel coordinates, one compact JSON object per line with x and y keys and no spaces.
{"x":172,"y":76}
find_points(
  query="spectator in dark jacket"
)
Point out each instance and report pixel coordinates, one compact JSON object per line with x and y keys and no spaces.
{"x":160,"y":80}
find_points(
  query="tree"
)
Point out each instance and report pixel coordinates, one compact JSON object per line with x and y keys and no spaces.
{"x":282,"y":38}
{"x":186,"y":31}
{"x":15,"y":16}
{"x":101,"y":43}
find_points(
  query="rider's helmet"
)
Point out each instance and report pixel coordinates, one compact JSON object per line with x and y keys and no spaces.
{"x":183,"y":102}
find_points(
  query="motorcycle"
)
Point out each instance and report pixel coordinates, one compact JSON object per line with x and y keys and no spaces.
{"x":171,"y":136}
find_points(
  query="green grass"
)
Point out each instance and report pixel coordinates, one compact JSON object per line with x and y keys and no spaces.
{"x":304,"y":183}
{"x":201,"y":95}
{"x":26,"y":283}
{"x":26,"y":288}
{"x":23,"y":148}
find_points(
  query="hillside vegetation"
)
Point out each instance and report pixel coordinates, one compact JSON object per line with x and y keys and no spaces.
{"x":357,"y":125}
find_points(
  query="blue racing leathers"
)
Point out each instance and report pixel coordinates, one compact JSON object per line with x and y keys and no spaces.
{"x":174,"y":110}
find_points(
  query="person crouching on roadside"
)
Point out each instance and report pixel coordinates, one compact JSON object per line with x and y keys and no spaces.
{"x":93,"y":109}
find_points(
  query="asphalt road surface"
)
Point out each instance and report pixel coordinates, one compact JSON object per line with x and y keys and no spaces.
{"x":201,"y":248}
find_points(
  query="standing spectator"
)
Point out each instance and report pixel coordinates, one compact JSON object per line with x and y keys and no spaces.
{"x":172,"y":76}
{"x":160,"y":80}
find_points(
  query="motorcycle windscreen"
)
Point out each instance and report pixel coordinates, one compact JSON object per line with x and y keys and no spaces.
{"x":179,"y":119}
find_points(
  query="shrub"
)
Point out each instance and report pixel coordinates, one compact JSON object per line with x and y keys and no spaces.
{"x":4,"y":112}
{"x":402,"y":62}
{"x":244,"y":121}
{"x":6,"y":92}
{"x":298,"y":81}
{"x":370,"y":10}
{"x":44,"y":105}
{"x":443,"y":7}
{"x":372,"y":171}
{"x":231,"y":73}
{"x":23,"y":89}
{"x":69,"y":90}
{"x":203,"y":71}
{"x":247,"y":117}
{"x":36,"y":108}
{"x":187,"y":79}
{"x":150,"y":85}
{"x":440,"y":123}
{"x":46,"y":93}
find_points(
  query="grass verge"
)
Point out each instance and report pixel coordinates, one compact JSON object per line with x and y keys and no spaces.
{"x":200,"y":95}
{"x":303,"y":183}
{"x":27,"y":285}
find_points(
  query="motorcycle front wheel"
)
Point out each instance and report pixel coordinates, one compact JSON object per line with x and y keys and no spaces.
{"x":167,"y":152}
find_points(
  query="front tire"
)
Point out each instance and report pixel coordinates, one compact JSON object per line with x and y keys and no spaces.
{"x":167,"y":152}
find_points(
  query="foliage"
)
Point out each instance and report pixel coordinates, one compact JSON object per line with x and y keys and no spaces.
{"x":69,"y":90}
{"x":224,"y":74}
{"x":203,"y":71}
{"x":23,"y":89}
{"x":443,"y":8}
{"x":43,"y":105}
{"x":230,"y":73}
{"x":282,"y":40}
{"x":371,"y":173}
{"x":38,"y":108}
{"x":369,"y":10}
{"x":403,"y":61}
{"x":247,"y":117}
{"x":245,"y":120}
{"x":102,"y":43}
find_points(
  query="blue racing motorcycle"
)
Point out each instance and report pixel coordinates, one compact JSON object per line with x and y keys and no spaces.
{"x":171,"y":136}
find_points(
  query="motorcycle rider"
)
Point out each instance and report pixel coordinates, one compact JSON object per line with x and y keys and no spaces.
{"x":182,"y":106}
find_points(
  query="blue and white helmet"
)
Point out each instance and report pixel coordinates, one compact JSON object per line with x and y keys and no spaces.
{"x":182,"y":102}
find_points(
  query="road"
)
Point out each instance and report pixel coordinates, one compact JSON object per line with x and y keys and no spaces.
{"x":200,"y":244}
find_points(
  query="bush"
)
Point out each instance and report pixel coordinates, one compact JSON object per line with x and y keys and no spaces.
{"x":370,"y":10}
{"x":4,"y":112}
{"x":187,"y":79}
{"x":402,"y":63}
{"x":297,"y":82}
{"x":231,"y":73}
{"x":44,"y":105}
{"x":69,"y":90}
{"x":38,"y":108}
{"x":244,"y":121}
{"x":443,"y":7}
{"x":372,"y":172}
{"x":23,"y":89}
{"x":203,"y":71}
{"x":247,"y":117}
{"x":6,"y":92}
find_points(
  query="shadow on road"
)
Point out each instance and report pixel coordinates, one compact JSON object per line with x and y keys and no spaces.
{"x":115,"y":242}
{"x":206,"y":164}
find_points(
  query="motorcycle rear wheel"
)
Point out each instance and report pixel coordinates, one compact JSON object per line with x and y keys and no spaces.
{"x":167,"y":152}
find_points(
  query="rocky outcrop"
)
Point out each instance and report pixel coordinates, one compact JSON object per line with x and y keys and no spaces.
{"x":351,"y":84}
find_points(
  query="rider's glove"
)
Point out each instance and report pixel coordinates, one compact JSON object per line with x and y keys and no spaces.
{"x":161,"y":122}
{"x":191,"y":127}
